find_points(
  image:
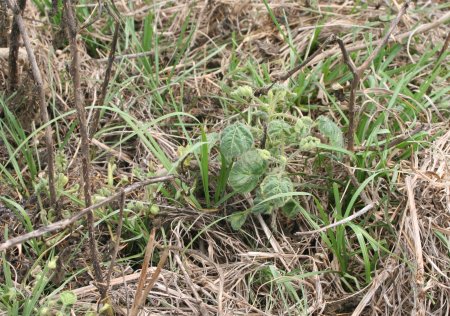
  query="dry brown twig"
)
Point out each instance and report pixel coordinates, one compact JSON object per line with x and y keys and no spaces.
{"x":358,"y":73}
{"x":42,"y":104}
{"x":143,"y":275}
{"x":69,"y":221}
{"x":13,"y":67}
{"x":398,"y":38}
{"x":117,"y":242}
{"x":290,"y":73}
{"x":71,"y":30}
{"x":101,"y":101}
{"x":4,"y":27}
{"x":142,"y":290}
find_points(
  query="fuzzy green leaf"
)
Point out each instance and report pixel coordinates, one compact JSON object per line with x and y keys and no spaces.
{"x":246,"y":172}
{"x":330,"y":130}
{"x":278,"y":130}
{"x":273,"y":185}
{"x":68,"y":298}
{"x":237,"y":220}
{"x":303,"y":126}
{"x":291,"y":209}
{"x":261,"y":208}
{"x":235,"y":140}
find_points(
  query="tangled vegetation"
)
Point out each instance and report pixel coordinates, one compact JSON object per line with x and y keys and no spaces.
{"x":224,"y":158}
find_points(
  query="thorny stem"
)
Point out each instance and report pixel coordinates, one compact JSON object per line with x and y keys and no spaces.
{"x":42,"y":104}
{"x":85,"y":161}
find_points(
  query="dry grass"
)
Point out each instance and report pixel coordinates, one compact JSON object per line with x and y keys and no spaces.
{"x":262,"y":270}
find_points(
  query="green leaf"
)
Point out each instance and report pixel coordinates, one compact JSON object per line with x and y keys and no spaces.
{"x":246,"y":172}
{"x":278,"y":130}
{"x":274,"y":185}
{"x":238,"y":219}
{"x":303,"y":126}
{"x":330,"y":130}
{"x":291,"y":209}
{"x":68,"y":298}
{"x":308,"y":143}
{"x":236,"y":139}
{"x":243,"y":92}
{"x":260,"y":206}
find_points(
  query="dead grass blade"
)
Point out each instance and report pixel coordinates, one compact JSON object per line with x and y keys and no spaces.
{"x":141,"y":291}
{"x":415,"y":231}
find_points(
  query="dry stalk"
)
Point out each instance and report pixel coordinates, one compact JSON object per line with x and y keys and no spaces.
{"x":358,"y":73}
{"x":95,"y":120}
{"x":42,"y":104}
{"x":117,"y":242}
{"x":363,"y":211}
{"x":376,"y":283}
{"x":69,"y":221}
{"x":415,"y":231}
{"x":154,"y":277}
{"x":14,"y":43}
{"x":4,"y":25}
{"x":191,"y":285}
{"x":299,"y":67}
{"x":398,"y":38}
{"x":273,"y":242}
{"x":126,"y":56}
{"x":71,"y":30}
{"x":143,"y":275}
{"x":444,"y":47}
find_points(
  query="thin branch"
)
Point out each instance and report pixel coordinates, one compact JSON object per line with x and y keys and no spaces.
{"x":126,"y":56}
{"x":117,"y":242}
{"x":154,"y":277}
{"x":56,"y":226}
{"x":13,"y":68}
{"x":342,"y":221}
{"x":42,"y":104}
{"x":352,"y":99}
{"x":444,"y":47}
{"x":299,"y":67}
{"x":71,"y":30}
{"x":398,"y":38}
{"x":105,"y":84}
{"x":358,"y":73}
{"x":143,"y":275}
{"x":397,"y":141}
{"x":4,"y":24}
